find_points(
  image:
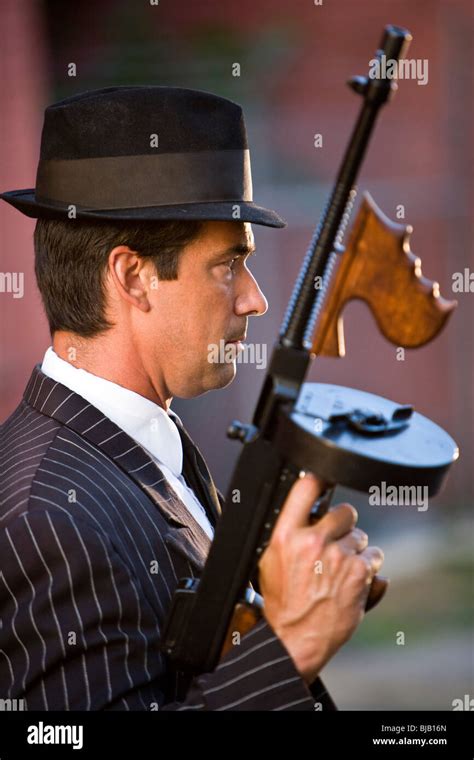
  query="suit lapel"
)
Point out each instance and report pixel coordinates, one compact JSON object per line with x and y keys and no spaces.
{"x":184,"y":534}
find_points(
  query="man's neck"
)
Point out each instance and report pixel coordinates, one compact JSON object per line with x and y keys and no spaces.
{"x":111,"y":361}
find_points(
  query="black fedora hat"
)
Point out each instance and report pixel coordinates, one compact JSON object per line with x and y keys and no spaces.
{"x":144,"y":153}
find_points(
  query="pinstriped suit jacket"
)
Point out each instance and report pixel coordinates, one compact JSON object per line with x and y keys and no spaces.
{"x":93,"y":541}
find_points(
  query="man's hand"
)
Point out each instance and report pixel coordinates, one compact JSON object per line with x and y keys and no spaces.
{"x":315,"y":578}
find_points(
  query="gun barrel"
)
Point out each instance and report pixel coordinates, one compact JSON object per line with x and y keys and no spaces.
{"x":376,"y":91}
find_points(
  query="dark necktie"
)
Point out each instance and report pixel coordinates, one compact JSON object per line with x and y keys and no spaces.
{"x":197,"y":475}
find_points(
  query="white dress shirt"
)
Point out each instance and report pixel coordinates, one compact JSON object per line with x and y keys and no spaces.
{"x":143,"y":420}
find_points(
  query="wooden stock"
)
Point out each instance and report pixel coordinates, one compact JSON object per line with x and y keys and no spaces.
{"x":378,"y":267}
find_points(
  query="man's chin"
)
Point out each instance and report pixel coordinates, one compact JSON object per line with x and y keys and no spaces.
{"x":221,"y":376}
{"x":224,"y":375}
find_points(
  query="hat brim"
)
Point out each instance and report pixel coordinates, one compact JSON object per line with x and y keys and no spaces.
{"x":25,"y":201}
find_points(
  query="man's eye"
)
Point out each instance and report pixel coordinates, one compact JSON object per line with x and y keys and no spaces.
{"x":231,"y":263}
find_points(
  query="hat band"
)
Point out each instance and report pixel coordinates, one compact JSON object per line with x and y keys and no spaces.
{"x":161,"y":179}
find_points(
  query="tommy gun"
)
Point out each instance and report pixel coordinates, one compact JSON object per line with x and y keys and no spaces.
{"x":342,"y":435}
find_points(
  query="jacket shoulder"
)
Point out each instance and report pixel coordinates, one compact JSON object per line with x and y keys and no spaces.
{"x":25,"y":438}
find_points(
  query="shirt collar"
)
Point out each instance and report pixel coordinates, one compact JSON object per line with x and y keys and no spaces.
{"x":143,"y":420}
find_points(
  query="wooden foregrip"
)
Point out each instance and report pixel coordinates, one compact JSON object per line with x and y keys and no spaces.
{"x":378,"y":267}
{"x":377,"y":590}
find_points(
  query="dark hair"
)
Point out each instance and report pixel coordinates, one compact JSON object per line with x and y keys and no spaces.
{"x":71,"y":263}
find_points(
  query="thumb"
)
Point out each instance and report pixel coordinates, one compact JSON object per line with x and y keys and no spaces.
{"x":297,"y":507}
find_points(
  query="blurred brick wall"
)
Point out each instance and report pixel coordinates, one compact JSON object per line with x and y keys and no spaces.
{"x":23,"y":328}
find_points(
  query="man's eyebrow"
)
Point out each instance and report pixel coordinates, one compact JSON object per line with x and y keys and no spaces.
{"x":241,"y":249}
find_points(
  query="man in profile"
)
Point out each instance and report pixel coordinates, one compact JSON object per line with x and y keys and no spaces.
{"x":144,"y":207}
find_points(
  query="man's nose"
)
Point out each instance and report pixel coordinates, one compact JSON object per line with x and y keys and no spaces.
{"x":250,"y":299}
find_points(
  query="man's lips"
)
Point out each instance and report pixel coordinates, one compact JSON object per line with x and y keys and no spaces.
{"x":237,"y":340}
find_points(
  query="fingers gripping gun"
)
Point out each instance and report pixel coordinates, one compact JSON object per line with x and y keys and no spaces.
{"x":344,"y":436}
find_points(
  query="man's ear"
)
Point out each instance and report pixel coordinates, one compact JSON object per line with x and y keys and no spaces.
{"x":129,"y":275}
